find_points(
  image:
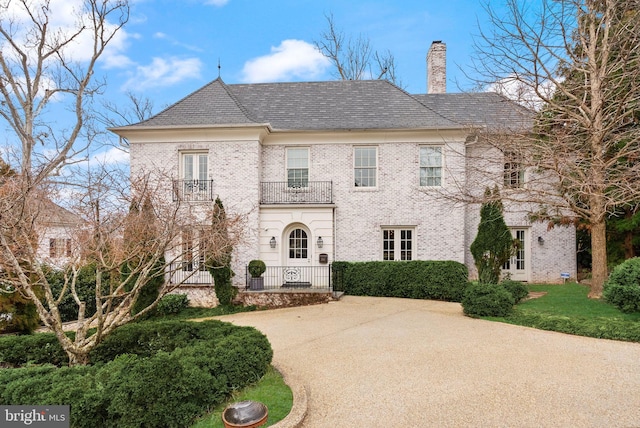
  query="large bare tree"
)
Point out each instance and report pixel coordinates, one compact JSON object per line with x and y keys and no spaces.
{"x":132,"y":235}
{"x":355,"y":59}
{"x":577,"y":64}
{"x":132,"y":238}
{"x":49,"y":64}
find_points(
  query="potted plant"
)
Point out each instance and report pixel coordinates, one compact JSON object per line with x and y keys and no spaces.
{"x":256,"y":268}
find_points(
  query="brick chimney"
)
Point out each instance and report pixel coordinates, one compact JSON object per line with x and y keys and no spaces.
{"x":437,"y":68}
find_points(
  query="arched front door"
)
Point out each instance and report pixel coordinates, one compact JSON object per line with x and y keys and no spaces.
{"x":298,"y":271}
{"x":298,"y":250}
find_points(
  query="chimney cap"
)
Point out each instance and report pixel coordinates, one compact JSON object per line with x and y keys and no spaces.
{"x":436,"y":42}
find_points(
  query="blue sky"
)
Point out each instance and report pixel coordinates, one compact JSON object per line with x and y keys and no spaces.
{"x":170,"y":48}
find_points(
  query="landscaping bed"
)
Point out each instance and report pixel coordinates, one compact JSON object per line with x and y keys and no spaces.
{"x":567,"y":309}
{"x":152,"y":374}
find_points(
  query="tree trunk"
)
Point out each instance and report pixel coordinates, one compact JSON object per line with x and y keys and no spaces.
{"x":78,"y":358}
{"x":599,"y":271}
{"x":629,"y":251}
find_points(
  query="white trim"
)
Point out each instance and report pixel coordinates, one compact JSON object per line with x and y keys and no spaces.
{"x":442,"y":166}
{"x":377,"y":159}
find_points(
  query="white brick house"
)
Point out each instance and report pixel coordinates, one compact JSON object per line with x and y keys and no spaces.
{"x":340,"y":170}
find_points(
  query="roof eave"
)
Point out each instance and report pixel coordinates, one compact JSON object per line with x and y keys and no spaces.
{"x":133,"y":128}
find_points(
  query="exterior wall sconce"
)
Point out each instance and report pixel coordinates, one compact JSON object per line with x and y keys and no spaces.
{"x":540,"y":240}
{"x":320,"y":242}
{"x":272,"y":242}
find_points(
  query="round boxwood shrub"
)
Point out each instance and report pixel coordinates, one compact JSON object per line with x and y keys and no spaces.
{"x":622,"y":289}
{"x":256,"y":268}
{"x":517,"y":289}
{"x":487,"y":300}
{"x":172,"y":304}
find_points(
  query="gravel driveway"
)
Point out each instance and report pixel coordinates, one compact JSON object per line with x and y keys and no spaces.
{"x":382,"y":362}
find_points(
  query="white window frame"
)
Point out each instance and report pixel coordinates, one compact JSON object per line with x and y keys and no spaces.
{"x":394,"y":243}
{"x":298,"y":244}
{"x":199,"y":174}
{"x":302,"y":181}
{"x":60,"y":248}
{"x":513,"y":172}
{"x":357,"y":167}
{"x":425,"y":165}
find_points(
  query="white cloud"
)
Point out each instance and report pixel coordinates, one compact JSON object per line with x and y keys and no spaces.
{"x":523,"y":92}
{"x":65,"y":17}
{"x":163,"y":72}
{"x":292,"y":59}
{"x":111,"y":156}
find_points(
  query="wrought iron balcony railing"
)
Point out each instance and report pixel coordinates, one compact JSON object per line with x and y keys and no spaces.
{"x":299,"y":192}
{"x":291,"y":277}
{"x":193,"y":190}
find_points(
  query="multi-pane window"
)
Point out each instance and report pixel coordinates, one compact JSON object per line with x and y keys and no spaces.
{"x":59,"y":247}
{"x":193,"y":250}
{"x":298,"y":244}
{"x":195,"y":173}
{"x":298,"y":167}
{"x":397,"y":244}
{"x":365,"y":161}
{"x":517,"y":262}
{"x":513,"y":171}
{"x":430,"y":166}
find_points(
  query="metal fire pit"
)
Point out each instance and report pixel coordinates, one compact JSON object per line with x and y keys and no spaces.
{"x":245,"y":414}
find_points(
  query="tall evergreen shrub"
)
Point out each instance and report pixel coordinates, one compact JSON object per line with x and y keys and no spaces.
{"x":494,"y":244}
{"x":219,"y":264}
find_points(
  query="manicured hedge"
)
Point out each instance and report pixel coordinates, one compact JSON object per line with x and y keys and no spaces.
{"x":613,"y":329}
{"x":435,"y":280}
{"x":151,"y":374}
{"x":622,"y":289}
{"x":517,"y":289}
{"x":41,"y":348}
{"x":487,"y":300}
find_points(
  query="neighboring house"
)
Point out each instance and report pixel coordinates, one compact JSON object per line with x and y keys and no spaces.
{"x":342,"y":170}
{"x":56,"y":228}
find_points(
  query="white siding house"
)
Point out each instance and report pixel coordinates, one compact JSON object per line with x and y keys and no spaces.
{"x":339,"y":170}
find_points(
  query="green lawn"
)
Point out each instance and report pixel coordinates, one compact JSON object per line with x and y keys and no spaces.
{"x":567,"y":309}
{"x":270,"y":390}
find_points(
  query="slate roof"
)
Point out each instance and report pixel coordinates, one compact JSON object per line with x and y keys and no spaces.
{"x":331,"y":106}
{"x":480,"y":109}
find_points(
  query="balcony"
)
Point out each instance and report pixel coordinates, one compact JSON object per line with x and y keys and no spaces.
{"x":308,"y":192}
{"x":193,"y":190}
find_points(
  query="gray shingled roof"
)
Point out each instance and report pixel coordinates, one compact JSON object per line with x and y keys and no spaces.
{"x":480,"y":109}
{"x":332,"y":105}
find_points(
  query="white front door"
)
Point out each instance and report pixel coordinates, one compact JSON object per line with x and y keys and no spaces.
{"x":298,"y":268}
{"x":518,"y":266}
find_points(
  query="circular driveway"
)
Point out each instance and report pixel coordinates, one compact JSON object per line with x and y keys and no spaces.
{"x":383,"y":362}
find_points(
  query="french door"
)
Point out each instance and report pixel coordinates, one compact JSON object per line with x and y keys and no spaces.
{"x":518,"y":266}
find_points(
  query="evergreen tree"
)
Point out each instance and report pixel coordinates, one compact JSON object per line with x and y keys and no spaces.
{"x":494,"y":244}
{"x":219,"y":260}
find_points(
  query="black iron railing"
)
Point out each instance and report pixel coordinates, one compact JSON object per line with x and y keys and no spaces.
{"x":188,"y":273}
{"x":299,"y":192}
{"x":193,"y":190}
{"x":291,"y":277}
